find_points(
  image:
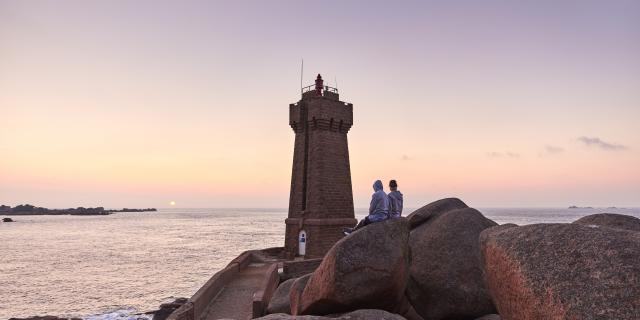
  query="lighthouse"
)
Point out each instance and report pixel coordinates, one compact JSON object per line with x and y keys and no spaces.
{"x":321,"y":198}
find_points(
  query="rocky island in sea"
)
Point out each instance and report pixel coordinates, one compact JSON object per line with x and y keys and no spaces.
{"x":27,"y":209}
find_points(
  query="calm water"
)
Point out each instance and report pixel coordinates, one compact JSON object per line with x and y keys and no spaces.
{"x":110,"y":267}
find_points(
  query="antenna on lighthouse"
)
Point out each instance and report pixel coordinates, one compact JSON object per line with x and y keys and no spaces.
{"x":301,"y":73}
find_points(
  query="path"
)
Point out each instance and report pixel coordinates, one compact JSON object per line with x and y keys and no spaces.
{"x":235,"y":300}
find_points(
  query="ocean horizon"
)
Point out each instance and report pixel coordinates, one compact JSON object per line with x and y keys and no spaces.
{"x":120,"y":265}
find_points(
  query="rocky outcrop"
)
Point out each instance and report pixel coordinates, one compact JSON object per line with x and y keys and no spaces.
{"x":27,"y":209}
{"x":563,"y":271}
{"x":280,"y":301}
{"x":167,"y":308}
{"x":446,"y":279}
{"x":434,"y":209}
{"x":367,"y":269}
{"x":297,"y":287}
{"x":611,"y":220}
{"x":44,"y":318}
{"x":364,"y":314}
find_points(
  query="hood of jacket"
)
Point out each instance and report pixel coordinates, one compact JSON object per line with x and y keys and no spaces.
{"x":377,"y":186}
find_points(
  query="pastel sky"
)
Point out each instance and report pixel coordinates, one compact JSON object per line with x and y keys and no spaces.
{"x":139,"y":103}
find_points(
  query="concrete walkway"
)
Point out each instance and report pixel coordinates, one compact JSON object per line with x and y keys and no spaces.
{"x":235,"y":300}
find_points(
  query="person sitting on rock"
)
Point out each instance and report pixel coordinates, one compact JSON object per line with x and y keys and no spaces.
{"x":378,"y":209}
{"x":395,"y":200}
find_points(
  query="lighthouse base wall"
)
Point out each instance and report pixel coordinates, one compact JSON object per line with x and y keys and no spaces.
{"x":321,"y":235}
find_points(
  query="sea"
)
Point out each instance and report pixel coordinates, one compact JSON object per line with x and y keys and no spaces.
{"x":119,"y":266}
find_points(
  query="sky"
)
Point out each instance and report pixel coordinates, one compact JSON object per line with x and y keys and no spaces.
{"x":140,"y":103}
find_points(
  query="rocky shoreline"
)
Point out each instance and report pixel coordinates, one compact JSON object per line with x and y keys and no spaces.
{"x":161,"y":313}
{"x":448,"y":261}
{"x":27,"y":209}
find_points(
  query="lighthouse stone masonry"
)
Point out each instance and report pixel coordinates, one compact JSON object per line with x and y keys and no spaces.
{"x":321,"y":199}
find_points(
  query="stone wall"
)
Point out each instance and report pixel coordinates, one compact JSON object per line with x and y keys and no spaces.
{"x":198,"y":303}
{"x":295,"y":269}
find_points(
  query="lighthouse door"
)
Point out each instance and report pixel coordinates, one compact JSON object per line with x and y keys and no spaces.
{"x":302,"y":243}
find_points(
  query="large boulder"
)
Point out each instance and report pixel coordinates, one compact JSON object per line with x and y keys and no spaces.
{"x":366,"y":270}
{"x":434,"y":209}
{"x":297,"y":287}
{"x":563,"y":271}
{"x":612,"y":220}
{"x":446,"y":279}
{"x":365,"y":314}
{"x":280,"y":301}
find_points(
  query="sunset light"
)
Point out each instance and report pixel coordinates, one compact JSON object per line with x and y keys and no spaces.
{"x":360,"y":159}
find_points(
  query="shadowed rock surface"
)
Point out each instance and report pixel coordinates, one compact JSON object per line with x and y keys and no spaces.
{"x":367,"y":269}
{"x":167,"y":308}
{"x":280,"y":301}
{"x":612,"y":220}
{"x":297,"y":287}
{"x":44,"y":318}
{"x":434,"y":209}
{"x":364,"y":314}
{"x":446,"y":279}
{"x":489,"y":317}
{"x":563,"y":271}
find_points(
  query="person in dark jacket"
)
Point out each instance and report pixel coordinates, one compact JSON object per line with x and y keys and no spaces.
{"x":378,"y":208}
{"x":395,"y":200}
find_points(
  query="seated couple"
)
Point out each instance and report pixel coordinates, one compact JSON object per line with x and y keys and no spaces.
{"x":383,"y":206}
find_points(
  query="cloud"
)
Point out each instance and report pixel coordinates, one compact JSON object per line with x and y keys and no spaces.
{"x":405,"y":157}
{"x":597,"y":142}
{"x":553,"y":150}
{"x":508,"y":154}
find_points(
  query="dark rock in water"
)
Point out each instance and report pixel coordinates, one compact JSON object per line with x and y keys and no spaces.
{"x":446,"y":279}
{"x":611,"y":220}
{"x":433,"y":209}
{"x":364,"y":314}
{"x":44,"y":318}
{"x":563,"y":271}
{"x":367,"y":269}
{"x":280,"y":301}
{"x":7,"y":220}
{"x":167,"y":309}
{"x":297,"y":287}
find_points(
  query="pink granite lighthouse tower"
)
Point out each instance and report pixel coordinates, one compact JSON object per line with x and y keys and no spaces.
{"x":321,"y":199}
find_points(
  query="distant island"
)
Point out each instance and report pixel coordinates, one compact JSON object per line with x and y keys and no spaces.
{"x":575,"y":207}
{"x":27,"y":209}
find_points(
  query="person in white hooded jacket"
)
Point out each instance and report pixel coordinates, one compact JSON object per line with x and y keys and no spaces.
{"x":378,"y":208}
